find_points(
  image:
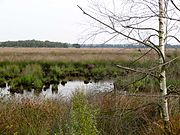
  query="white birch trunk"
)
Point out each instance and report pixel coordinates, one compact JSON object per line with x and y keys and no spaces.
{"x":163,"y":87}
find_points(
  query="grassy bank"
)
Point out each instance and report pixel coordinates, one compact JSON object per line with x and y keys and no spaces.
{"x":102,"y":113}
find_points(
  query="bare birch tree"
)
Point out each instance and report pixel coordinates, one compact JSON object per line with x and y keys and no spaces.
{"x":153,"y":23}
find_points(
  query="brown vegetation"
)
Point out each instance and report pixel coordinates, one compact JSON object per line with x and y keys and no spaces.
{"x":70,"y":54}
{"x":115,"y":114}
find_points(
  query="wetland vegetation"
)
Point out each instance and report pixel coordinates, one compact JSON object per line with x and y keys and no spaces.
{"x":31,"y":68}
{"x":101,"y":112}
{"x":95,"y":113}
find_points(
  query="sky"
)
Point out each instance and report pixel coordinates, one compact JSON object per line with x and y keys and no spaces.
{"x":53,"y":20}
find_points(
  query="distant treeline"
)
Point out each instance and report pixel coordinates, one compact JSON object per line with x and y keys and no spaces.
{"x":49,"y":44}
{"x":34,"y":43}
{"x":122,"y":46}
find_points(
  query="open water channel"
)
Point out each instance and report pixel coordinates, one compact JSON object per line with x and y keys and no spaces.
{"x":64,"y":91}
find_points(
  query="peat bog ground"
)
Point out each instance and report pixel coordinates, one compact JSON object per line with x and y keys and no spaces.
{"x":106,"y":113}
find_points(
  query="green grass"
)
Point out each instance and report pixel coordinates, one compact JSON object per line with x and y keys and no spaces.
{"x":82,"y":116}
{"x":28,"y":75}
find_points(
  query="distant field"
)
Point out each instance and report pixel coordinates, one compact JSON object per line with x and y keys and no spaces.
{"x":71,"y":54}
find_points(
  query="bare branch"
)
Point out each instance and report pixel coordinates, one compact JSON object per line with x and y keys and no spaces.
{"x":128,"y":18}
{"x":138,"y":71}
{"x":172,"y":19}
{"x":140,"y":28}
{"x":115,"y":30}
{"x":124,"y":87}
{"x":164,"y":64}
{"x":112,"y":23}
{"x":141,"y":56}
{"x":110,"y":39}
{"x":175,"y":5}
{"x":177,"y":95}
{"x":173,"y":37}
{"x":149,"y":95}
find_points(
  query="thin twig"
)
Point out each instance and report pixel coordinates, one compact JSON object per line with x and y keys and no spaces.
{"x":138,"y":71}
{"x":148,"y":95}
{"x":115,"y":30}
{"x":141,"y":56}
{"x":139,"y":28}
{"x":175,"y":5}
{"x":174,"y":38}
{"x":125,"y":86}
{"x":164,"y":64}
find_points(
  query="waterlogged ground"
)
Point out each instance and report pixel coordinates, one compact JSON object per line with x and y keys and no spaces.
{"x":64,"y":90}
{"x":108,"y":113}
{"x":31,"y":68}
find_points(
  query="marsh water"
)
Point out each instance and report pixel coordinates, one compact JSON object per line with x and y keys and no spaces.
{"x":65,"y":90}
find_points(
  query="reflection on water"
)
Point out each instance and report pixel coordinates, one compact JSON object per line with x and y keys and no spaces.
{"x":4,"y":92}
{"x":90,"y":87}
{"x":63,"y":90}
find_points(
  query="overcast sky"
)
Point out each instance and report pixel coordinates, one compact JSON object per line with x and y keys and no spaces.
{"x":54,"y":20}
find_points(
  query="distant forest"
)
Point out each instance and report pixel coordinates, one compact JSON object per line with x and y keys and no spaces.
{"x":122,"y":46}
{"x":49,"y":44}
{"x":34,"y":43}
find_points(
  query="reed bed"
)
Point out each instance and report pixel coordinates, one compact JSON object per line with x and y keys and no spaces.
{"x":91,"y":114}
{"x":70,"y":54}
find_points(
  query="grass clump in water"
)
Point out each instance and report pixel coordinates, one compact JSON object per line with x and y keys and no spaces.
{"x":9,"y":71}
{"x":30,"y":77}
